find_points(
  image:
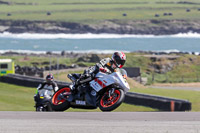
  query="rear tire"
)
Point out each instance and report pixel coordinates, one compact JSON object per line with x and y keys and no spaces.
{"x":109,"y":104}
{"x":58,"y":103}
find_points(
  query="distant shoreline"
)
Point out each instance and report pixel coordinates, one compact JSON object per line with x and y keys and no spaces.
{"x":91,"y":35}
{"x":136,"y":27}
{"x":72,"y":54}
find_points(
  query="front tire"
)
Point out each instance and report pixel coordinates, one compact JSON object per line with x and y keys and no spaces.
{"x":59,"y":103}
{"x":110,"y":103}
{"x":44,"y":108}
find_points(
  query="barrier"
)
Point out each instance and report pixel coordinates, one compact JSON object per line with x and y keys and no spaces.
{"x":158,"y":102}
{"x":27,"y":81}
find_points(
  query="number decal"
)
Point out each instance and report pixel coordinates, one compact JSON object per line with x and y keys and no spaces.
{"x":97,"y":84}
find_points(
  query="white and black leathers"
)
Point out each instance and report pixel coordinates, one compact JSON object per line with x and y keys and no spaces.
{"x":47,"y":89}
{"x":106,"y":65}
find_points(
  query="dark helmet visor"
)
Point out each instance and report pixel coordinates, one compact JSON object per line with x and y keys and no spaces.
{"x":120,"y":62}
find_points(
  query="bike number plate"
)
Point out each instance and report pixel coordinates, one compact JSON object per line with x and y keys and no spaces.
{"x":95,"y":85}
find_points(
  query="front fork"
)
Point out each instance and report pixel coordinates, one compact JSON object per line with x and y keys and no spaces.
{"x":110,"y":92}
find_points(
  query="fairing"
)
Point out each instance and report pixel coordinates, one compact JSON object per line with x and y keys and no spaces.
{"x":103,"y":80}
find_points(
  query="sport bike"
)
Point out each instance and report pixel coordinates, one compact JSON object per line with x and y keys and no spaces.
{"x":43,"y":100}
{"x":106,"y":91}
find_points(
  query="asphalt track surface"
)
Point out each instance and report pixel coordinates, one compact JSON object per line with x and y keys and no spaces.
{"x":99,"y":122}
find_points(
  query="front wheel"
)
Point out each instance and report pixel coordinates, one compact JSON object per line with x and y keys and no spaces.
{"x":109,"y":103}
{"x":43,"y":108}
{"x":59,"y":99}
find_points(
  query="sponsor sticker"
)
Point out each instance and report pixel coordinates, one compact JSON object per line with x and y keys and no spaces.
{"x":80,"y":102}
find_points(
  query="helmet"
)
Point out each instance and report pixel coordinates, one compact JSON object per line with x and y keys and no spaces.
{"x":49,"y":78}
{"x":119,"y":59}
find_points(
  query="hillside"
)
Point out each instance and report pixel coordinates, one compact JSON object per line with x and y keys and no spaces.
{"x":172,"y":68}
{"x":156,"y":17}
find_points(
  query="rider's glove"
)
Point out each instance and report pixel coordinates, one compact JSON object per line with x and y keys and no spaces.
{"x":84,"y":76}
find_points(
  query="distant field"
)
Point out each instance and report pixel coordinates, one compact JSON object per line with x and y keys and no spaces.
{"x":93,"y":11}
{"x":186,"y":70}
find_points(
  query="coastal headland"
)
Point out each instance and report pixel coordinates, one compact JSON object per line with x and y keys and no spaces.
{"x":137,"y":27}
{"x":156,"y":17}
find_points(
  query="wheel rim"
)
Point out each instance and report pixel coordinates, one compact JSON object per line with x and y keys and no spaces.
{"x":56,"y":100}
{"x":109,"y":101}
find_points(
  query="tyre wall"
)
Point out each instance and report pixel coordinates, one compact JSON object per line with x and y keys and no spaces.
{"x":158,"y":102}
{"x":27,"y":81}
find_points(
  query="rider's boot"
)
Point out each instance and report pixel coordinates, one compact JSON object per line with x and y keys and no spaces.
{"x":74,"y":86}
{"x":74,"y":82}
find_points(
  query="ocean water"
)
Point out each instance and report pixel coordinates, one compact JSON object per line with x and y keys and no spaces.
{"x":101,"y":43}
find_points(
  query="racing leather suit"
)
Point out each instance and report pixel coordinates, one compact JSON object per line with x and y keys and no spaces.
{"x":51,"y":88}
{"x":106,"y":65}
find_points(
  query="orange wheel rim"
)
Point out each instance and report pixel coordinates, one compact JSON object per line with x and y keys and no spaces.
{"x":107,"y":102}
{"x":56,"y":100}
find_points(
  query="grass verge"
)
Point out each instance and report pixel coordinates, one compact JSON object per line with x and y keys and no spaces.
{"x":17,"y":98}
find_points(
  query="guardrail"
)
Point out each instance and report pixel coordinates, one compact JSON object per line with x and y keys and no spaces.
{"x":158,"y":102}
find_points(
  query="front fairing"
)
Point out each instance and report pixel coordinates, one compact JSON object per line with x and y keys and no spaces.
{"x":103,"y":80}
{"x":43,"y":96}
{"x":41,"y":100}
{"x":45,"y":92}
{"x":122,"y":82}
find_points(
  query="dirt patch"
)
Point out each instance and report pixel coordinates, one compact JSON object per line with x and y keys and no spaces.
{"x":134,"y":84}
{"x":24,"y":59}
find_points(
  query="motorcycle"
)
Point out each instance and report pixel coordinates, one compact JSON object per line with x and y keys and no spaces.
{"x":43,"y":100}
{"x":106,"y":91}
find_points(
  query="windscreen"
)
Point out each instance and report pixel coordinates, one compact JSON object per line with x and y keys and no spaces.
{"x":123,"y":73}
{"x":45,"y":92}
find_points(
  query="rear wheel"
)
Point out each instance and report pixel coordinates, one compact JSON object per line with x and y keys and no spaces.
{"x":107,"y":103}
{"x":59,"y":99}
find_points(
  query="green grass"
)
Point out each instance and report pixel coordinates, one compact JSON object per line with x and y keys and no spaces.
{"x":186,"y":70}
{"x":94,"y":11}
{"x":30,"y":60}
{"x":17,"y":98}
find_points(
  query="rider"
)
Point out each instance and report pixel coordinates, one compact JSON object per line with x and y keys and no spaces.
{"x":49,"y":84}
{"x":107,"y":65}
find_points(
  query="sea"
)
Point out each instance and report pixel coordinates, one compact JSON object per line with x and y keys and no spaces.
{"x":98,"y":43}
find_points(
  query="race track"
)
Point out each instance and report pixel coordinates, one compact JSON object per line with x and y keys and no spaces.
{"x":99,"y":122}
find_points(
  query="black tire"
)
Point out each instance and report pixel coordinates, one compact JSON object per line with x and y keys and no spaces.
{"x":44,"y":108}
{"x":118,"y":100}
{"x":49,"y":107}
{"x":60,"y":105}
{"x":39,"y":109}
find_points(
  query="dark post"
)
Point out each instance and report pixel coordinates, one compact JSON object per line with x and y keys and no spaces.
{"x":182,"y":78}
{"x":197,"y":77}
{"x":153,"y":77}
{"x":166,"y":78}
